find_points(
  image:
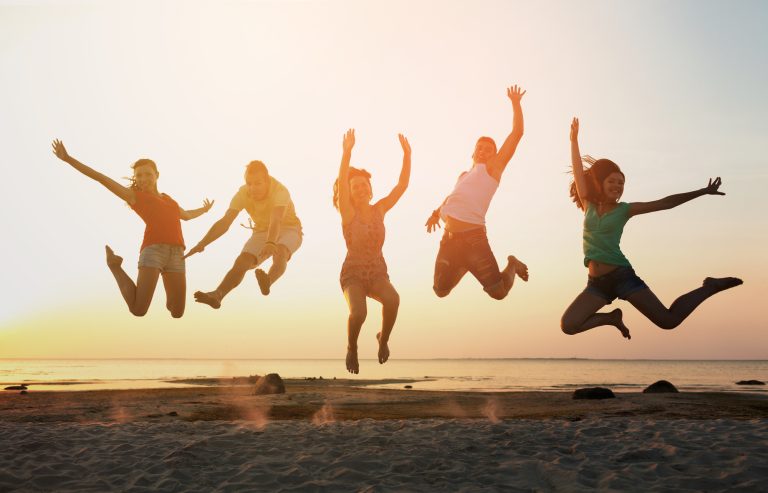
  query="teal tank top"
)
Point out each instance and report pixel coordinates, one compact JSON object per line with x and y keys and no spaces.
{"x":603,"y":233}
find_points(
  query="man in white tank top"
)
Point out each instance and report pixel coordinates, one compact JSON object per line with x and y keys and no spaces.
{"x":464,"y":246}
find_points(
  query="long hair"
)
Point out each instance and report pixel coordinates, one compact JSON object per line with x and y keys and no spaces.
{"x":353,"y":172}
{"x":139,"y":164}
{"x":594,"y":176}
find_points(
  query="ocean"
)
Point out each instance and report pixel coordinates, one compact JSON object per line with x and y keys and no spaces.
{"x":430,"y":374}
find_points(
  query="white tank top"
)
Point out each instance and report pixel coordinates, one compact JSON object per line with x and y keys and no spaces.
{"x":471,"y":196}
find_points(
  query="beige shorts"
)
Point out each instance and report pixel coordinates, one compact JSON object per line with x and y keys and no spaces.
{"x":167,"y":258}
{"x":290,"y":238}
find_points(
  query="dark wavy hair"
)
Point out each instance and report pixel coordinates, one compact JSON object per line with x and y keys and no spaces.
{"x":595,"y":175}
{"x":139,"y":164}
{"x":353,"y":172}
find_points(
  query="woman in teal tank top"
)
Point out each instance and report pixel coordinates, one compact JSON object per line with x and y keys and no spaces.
{"x":597,"y":191}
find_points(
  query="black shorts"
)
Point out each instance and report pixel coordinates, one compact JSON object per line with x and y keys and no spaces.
{"x":619,"y":283}
{"x":462,"y":252}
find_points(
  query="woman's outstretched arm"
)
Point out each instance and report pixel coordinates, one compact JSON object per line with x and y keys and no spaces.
{"x":193,"y":213}
{"x":636,"y":208}
{"x":124,"y":193}
{"x":345,"y":202}
{"x":578,"y":167}
{"x":390,"y":200}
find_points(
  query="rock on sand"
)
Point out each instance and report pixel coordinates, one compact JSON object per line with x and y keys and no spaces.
{"x":593,"y":393}
{"x":269,"y":384}
{"x":660,"y":387}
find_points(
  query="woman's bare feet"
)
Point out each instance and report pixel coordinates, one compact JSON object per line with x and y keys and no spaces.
{"x":212,"y":298}
{"x":722,"y":283}
{"x":383,"y":350}
{"x":515,"y":265}
{"x":352,"y":365}
{"x":263,"y":279}
{"x":617,"y":321}
{"x":112,"y":259}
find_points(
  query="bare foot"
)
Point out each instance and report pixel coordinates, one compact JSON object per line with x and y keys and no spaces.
{"x":352,"y":365}
{"x":618,"y":322}
{"x":722,"y":283}
{"x":519,"y":268}
{"x":383,"y":350}
{"x":263,"y":279}
{"x":212,"y":299}
{"x":112,"y":259}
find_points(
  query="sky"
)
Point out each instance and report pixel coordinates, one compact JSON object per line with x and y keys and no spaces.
{"x":671,"y":91}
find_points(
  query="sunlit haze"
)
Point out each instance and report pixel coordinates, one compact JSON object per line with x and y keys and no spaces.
{"x":674,"y":92}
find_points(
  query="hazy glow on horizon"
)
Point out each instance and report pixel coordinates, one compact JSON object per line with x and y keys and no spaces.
{"x":672,"y":92}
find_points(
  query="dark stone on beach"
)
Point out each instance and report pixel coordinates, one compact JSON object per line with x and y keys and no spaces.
{"x":17,"y":387}
{"x":750,"y":382}
{"x":593,"y":393}
{"x":660,"y":387}
{"x":269,"y":384}
{"x":173,"y":413}
{"x":408,"y":386}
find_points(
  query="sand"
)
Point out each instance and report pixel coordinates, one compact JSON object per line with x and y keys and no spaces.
{"x":337,"y":436}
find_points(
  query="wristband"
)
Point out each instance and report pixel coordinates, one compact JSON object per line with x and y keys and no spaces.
{"x":270,"y":243}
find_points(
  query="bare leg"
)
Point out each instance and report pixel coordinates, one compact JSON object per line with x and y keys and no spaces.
{"x":175,"y":284}
{"x":358,"y":310}
{"x":383,"y":292}
{"x":650,"y":306}
{"x":581,"y":316}
{"x":243,"y":263}
{"x":279,"y":263}
{"x":137,"y":296}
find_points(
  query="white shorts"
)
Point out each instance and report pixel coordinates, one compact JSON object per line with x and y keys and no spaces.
{"x":290,"y":238}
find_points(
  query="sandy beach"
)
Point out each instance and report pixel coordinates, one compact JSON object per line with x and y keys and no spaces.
{"x":336,"y":435}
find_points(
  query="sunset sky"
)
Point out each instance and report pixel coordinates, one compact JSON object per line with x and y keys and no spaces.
{"x":674,"y":92}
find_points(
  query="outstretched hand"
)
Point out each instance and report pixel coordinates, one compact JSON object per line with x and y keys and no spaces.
{"x":349,"y":140}
{"x":432,"y":223}
{"x":515,"y":93}
{"x":195,"y":249}
{"x":575,"y":129}
{"x":59,"y":150}
{"x":404,"y":144}
{"x":207,"y":204}
{"x":712,"y":187}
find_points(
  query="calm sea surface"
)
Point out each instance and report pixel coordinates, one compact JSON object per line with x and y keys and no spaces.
{"x":433,"y":374}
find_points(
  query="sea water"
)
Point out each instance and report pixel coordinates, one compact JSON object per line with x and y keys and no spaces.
{"x":428,"y":374}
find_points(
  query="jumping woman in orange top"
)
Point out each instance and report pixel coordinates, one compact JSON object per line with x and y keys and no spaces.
{"x":162,"y":251}
{"x":597,"y":192}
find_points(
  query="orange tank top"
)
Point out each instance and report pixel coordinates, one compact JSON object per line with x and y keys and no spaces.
{"x":162,"y":216}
